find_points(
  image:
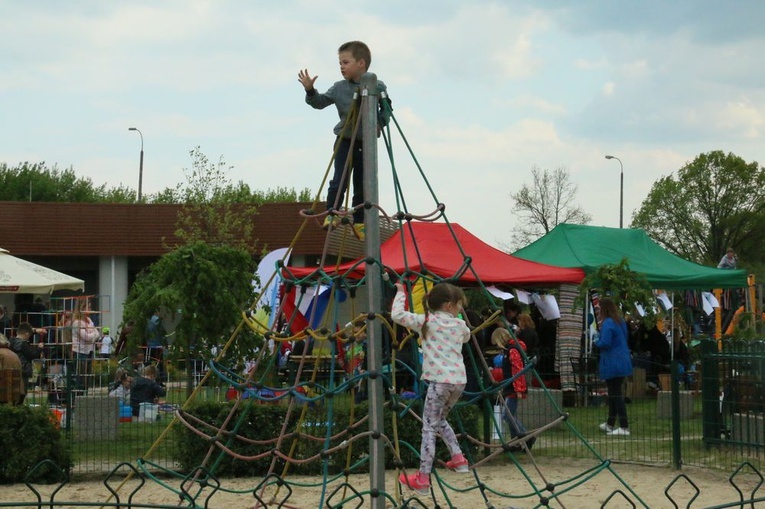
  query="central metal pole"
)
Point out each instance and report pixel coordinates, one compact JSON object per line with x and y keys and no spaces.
{"x":369,"y":106}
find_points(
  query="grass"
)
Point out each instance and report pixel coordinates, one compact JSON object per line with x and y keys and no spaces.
{"x":650,"y":442}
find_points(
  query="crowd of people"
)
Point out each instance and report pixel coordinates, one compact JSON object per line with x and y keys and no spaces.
{"x":41,"y":349}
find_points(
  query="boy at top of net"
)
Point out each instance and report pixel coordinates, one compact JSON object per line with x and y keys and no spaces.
{"x":354,"y":58}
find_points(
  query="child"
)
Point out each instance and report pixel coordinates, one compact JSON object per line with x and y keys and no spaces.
{"x":355,"y":59}
{"x":105,"y":348}
{"x":510,"y":364}
{"x":145,"y":389}
{"x":121,"y":387}
{"x":355,"y":360}
{"x":443,"y":367}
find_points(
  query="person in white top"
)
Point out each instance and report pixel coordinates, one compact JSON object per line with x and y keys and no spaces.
{"x":442,"y":334}
{"x":84,"y":338}
{"x":106,"y":343}
{"x":121,"y":388}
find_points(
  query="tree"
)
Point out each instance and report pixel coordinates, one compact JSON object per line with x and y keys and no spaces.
{"x":624,"y":286}
{"x":548,"y":202}
{"x":204,"y":288}
{"x":215,"y":211}
{"x":211,"y":212}
{"x":205,"y":283}
{"x":715,"y":201}
{"x":38,"y":183}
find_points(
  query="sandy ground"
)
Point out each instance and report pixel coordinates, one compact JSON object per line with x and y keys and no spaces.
{"x":649,"y":483}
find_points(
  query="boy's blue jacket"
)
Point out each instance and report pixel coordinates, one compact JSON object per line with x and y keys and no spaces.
{"x":615,"y":360}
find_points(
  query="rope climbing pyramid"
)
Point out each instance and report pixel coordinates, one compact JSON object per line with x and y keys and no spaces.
{"x":316,"y":402}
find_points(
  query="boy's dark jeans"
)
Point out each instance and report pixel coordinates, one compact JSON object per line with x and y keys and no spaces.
{"x":338,"y":185}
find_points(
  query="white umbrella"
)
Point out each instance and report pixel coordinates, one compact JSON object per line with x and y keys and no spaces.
{"x":21,"y":276}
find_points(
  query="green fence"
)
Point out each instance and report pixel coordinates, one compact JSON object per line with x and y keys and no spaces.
{"x":714,"y":419}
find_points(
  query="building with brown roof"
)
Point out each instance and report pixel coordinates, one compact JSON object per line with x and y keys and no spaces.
{"x":107,"y":245}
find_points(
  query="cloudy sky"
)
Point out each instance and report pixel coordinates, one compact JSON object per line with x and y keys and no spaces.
{"x":483,"y":91}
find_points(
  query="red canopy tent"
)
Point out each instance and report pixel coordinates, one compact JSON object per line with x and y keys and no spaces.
{"x":432,"y":247}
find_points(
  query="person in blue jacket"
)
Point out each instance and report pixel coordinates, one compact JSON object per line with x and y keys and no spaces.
{"x":615,"y":365}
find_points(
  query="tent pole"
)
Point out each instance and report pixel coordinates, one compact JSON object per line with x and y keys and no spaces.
{"x":672,"y":330}
{"x":588,"y":327}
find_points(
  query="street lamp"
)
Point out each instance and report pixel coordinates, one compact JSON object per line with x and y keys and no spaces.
{"x":621,"y":190}
{"x":140,"y":164}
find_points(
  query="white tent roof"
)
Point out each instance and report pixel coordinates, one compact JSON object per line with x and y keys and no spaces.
{"x":21,"y":276}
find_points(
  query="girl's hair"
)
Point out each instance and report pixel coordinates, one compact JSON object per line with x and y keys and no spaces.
{"x":81,"y":309}
{"x":526,"y":322}
{"x":608,"y":309}
{"x":439,"y":295}
{"x":501,"y":337}
{"x":119,"y":376}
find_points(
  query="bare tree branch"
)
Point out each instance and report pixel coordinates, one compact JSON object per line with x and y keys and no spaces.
{"x":547,"y":202}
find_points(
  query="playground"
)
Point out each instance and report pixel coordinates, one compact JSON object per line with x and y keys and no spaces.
{"x":316,"y":420}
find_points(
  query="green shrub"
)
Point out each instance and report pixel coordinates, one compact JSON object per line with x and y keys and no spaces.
{"x":28,"y":435}
{"x":263,"y":422}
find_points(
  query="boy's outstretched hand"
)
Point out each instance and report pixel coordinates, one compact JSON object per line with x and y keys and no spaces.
{"x":306,"y":80}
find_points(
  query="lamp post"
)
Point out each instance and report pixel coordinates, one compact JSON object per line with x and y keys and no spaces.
{"x":621,"y":190}
{"x":140,"y":164}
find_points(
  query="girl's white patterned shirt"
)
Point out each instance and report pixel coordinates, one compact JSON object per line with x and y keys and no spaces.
{"x":442,"y":348}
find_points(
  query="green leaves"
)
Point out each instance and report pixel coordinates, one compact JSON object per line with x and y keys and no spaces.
{"x":715,"y":201}
{"x":203,"y":289}
{"x":625,"y":287}
{"x":207,"y":183}
{"x":39,"y":183}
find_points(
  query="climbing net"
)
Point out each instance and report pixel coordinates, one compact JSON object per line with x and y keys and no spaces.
{"x":317,"y":416}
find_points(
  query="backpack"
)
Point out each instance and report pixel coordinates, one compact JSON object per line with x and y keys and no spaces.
{"x":26,"y":365}
{"x":507,"y":363}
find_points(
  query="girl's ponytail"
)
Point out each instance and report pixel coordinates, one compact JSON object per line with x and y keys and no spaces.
{"x":427,"y":312}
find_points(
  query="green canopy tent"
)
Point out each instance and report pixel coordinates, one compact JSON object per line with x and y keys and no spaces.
{"x":589,"y":247}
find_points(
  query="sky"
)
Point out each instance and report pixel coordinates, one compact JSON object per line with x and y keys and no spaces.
{"x":482,"y":91}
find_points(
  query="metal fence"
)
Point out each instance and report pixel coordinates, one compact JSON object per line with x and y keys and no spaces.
{"x":710,"y":418}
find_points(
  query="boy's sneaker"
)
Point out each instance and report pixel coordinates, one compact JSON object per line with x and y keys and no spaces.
{"x":605,"y":427}
{"x":330,"y":222}
{"x":412,"y":481}
{"x":359,"y":231}
{"x":625,"y":432}
{"x":458,"y":464}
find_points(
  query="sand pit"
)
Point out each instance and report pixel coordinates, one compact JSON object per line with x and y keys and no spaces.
{"x":648,"y":482}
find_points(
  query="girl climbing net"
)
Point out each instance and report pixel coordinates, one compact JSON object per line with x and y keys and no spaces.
{"x":443,"y":367}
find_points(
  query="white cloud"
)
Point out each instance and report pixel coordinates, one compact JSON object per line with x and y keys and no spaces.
{"x":483,"y":91}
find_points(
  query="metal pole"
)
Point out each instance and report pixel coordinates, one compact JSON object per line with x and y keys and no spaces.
{"x":140,"y":173}
{"x":621,"y":190}
{"x":621,"y":193}
{"x":140,"y":164}
{"x":369,"y":106}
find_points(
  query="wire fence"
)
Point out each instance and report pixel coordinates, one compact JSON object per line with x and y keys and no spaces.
{"x":711,"y":417}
